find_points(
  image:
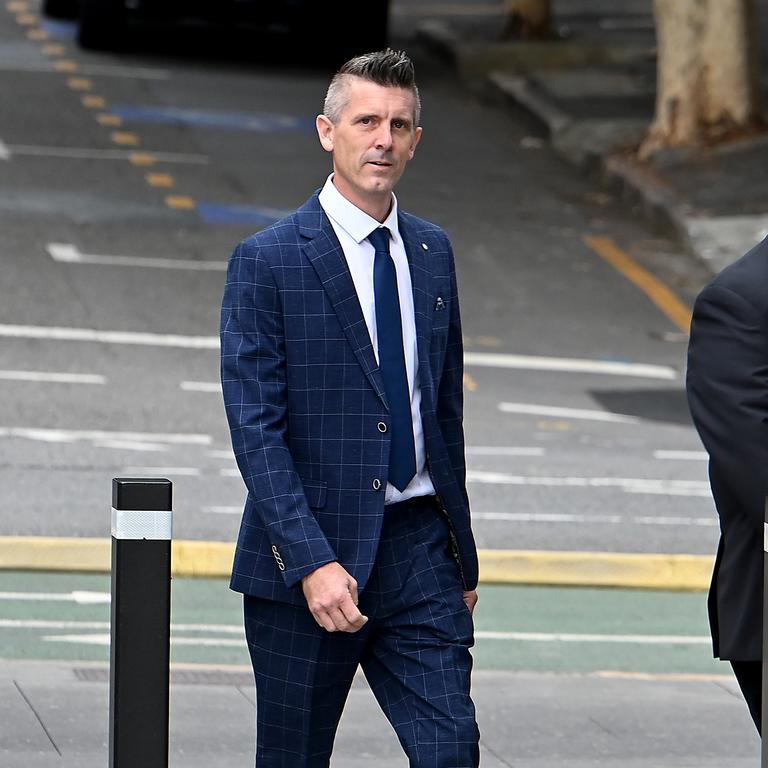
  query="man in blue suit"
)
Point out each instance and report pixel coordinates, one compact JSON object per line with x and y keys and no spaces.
{"x":342,"y":376}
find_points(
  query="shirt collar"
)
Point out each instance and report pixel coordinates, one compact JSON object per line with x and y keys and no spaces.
{"x":354,"y":221}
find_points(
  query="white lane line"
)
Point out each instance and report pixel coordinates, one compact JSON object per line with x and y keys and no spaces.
{"x":229,"y":472}
{"x":75,"y":435}
{"x":83,"y":153}
{"x":567,"y":637}
{"x":570,"y":365}
{"x":82,"y":597}
{"x":214,"y":387}
{"x":5,"y":153}
{"x":529,"y":637}
{"x":491,"y":450}
{"x":106,"y":70}
{"x":625,"y":484}
{"x":49,"y":377}
{"x":181,"y":471}
{"x":562,"y":517}
{"x":70,"y":254}
{"x":221,"y":454}
{"x":224,"y":510}
{"x":54,"y":333}
{"x":681,"y":455}
{"x":128,"y":445}
{"x":566,"y":413}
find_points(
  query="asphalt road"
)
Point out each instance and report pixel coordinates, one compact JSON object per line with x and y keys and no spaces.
{"x":125,"y":182}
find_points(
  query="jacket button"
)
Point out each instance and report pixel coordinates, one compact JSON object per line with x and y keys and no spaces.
{"x":382,"y":426}
{"x":377,"y":484}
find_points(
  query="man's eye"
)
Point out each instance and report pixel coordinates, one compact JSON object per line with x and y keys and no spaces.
{"x":398,"y":124}
{"x":365,"y":120}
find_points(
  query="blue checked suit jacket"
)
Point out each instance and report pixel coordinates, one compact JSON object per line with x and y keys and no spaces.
{"x":304,"y":399}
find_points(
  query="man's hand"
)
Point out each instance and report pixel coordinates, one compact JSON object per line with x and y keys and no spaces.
{"x":332,"y":598}
{"x":470,"y":600}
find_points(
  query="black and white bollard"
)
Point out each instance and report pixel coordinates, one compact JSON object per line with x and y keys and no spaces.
{"x":141,"y":619}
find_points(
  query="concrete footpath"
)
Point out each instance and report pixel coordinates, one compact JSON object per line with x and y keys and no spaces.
{"x":56,"y":714}
{"x":592,"y":93}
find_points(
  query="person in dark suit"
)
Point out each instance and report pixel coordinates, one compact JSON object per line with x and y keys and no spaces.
{"x":727,"y":385}
{"x":341,"y":366}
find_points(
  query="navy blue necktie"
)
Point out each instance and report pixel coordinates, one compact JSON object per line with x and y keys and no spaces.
{"x":389,"y":332}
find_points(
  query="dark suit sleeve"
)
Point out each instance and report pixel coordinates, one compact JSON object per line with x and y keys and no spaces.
{"x":253,"y":375}
{"x":450,"y":391}
{"x":727,"y":383}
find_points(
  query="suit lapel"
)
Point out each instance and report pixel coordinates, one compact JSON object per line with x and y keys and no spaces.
{"x":422,"y":299}
{"x":324,"y":253}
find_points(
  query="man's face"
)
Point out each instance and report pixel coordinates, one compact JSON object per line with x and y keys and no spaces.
{"x":371,"y":142}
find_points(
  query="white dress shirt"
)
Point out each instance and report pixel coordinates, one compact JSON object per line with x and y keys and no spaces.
{"x":352,"y":227}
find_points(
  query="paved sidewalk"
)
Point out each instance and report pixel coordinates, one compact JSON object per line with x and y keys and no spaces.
{"x":55,"y":714}
{"x":593,"y":94}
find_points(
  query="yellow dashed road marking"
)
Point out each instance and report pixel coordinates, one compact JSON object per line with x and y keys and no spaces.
{"x":125,"y":138}
{"x":651,"y":286}
{"x":66,"y":65}
{"x":469,"y":383}
{"x":37,"y":35}
{"x":142,"y":159}
{"x":112,"y":121}
{"x":26,"y":19}
{"x":17,"y":6}
{"x":54,"y":49}
{"x":80,"y":84}
{"x":162,"y":180}
{"x":94,"y":102}
{"x":180,"y":202}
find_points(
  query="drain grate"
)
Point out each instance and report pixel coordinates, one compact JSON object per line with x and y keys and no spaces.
{"x":178,"y":676}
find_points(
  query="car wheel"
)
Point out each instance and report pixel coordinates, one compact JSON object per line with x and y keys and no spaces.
{"x":60,"y":9}
{"x":102,"y":24}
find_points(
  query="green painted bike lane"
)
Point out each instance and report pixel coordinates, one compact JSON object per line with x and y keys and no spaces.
{"x":65,"y":616}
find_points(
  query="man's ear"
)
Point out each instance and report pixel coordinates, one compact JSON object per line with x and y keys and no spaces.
{"x":325,"y":132}
{"x":416,"y":139}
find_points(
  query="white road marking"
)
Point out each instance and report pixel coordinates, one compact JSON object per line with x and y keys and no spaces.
{"x":70,"y":254}
{"x":54,"y":333}
{"x":84,"y":153}
{"x":82,"y":597}
{"x":492,"y":450}
{"x":626,"y":484}
{"x":567,"y":637}
{"x":74,"y":435}
{"x":681,"y":455}
{"x":556,"y":517}
{"x":128,"y":445}
{"x":229,"y":472}
{"x":570,"y":365}
{"x":185,"y":471}
{"x":224,"y":510}
{"x":214,"y":387}
{"x":214,"y":642}
{"x":5,"y":152}
{"x":106,"y":70}
{"x":49,"y":377}
{"x":221,"y":454}
{"x":566,"y":413}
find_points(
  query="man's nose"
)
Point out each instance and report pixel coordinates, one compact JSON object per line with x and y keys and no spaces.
{"x":384,"y":137}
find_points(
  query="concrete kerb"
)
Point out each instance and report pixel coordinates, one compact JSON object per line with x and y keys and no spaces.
{"x":213,"y":559}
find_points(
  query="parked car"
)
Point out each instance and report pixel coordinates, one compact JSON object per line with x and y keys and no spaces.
{"x":339,"y":27}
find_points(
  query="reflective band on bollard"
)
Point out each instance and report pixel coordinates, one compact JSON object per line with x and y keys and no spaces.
{"x":141,"y":619}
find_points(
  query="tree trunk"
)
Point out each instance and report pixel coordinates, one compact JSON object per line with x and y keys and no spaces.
{"x":528,"y":19}
{"x":708,"y":77}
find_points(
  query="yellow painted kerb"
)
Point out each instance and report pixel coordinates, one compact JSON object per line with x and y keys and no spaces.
{"x":213,"y":559}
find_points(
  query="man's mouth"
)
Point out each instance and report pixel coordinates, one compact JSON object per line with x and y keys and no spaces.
{"x":380,"y":163}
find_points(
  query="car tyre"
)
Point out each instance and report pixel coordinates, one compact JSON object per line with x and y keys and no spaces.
{"x":102,"y":24}
{"x":60,"y":9}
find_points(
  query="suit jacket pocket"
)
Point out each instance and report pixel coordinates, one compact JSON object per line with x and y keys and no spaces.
{"x":315,"y":491}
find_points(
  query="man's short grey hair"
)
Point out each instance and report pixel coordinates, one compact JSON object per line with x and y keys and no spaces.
{"x":392,"y":69}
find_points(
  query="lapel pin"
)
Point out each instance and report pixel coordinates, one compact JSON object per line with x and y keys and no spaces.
{"x":439,"y":304}
{"x":425,"y":246}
